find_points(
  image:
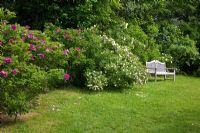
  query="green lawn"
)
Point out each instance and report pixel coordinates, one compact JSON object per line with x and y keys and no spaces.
{"x":161,"y":107}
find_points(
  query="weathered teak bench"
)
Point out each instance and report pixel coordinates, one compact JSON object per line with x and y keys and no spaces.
{"x":157,"y":68}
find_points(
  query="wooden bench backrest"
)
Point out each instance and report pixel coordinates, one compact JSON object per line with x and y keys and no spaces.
{"x":155,"y":66}
{"x":151,"y":66}
{"x":160,"y":67}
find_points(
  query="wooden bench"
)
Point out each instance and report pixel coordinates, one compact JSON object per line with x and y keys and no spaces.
{"x":157,"y":68}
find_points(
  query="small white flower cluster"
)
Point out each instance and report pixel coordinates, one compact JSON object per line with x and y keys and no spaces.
{"x":166,"y":58}
{"x":124,"y":25}
{"x":95,"y":80}
{"x":110,"y":41}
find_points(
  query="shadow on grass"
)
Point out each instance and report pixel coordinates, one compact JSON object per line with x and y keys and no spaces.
{"x":85,"y":90}
{"x":6,"y":120}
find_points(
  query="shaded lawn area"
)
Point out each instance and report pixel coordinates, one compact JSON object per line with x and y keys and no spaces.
{"x":161,"y":107}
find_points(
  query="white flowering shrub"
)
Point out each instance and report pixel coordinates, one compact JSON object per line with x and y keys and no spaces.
{"x":123,"y":67}
{"x":96,"y":80}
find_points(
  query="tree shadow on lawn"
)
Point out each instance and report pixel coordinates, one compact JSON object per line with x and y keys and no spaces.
{"x":85,"y":90}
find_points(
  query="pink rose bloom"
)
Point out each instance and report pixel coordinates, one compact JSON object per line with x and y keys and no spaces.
{"x":30,"y":35}
{"x":23,"y":38}
{"x":7,"y":60}
{"x":78,"y":49}
{"x":27,"y":27}
{"x":4,"y":23}
{"x":41,"y":55}
{"x":32,"y":47}
{"x":4,"y":74}
{"x":1,"y":43}
{"x":47,"y":50}
{"x":66,"y":52}
{"x":66,"y":77}
{"x":11,"y":41}
{"x":43,"y":42}
{"x":34,"y":38}
{"x":33,"y":58}
{"x":38,"y":46}
{"x":57,"y":30}
{"x":14,"y":72}
{"x":67,"y":36}
{"x":13,"y":27}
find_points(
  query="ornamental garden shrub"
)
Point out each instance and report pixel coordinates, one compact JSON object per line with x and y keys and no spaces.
{"x":26,"y":59}
{"x":114,"y":65}
{"x":20,"y":83}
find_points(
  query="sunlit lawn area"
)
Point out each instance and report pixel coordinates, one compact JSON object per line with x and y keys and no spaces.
{"x":161,"y":107}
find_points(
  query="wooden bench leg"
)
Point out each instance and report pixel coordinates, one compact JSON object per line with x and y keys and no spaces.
{"x":174,"y":77}
{"x":165,"y":77}
{"x":155,"y":77}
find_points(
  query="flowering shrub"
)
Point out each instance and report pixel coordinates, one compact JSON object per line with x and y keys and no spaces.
{"x":122,"y":68}
{"x":19,"y":86}
{"x":95,"y":80}
{"x":98,"y":56}
{"x":26,"y":56}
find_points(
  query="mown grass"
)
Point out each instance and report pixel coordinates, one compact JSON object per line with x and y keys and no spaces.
{"x":161,"y":107}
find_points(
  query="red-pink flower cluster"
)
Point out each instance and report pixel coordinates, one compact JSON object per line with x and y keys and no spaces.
{"x":1,"y":43}
{"x":30,"y":35}
{"x":66,"y":52}
{"x":78,"y":49}
{"x":14,"y":72}
{"x":66,"y":76}
{"x":7,"y":60}
{"x":41,"y":55}
{"x":32,"y":47}
{"x":3,"y":73}
{"x":13,"y":27}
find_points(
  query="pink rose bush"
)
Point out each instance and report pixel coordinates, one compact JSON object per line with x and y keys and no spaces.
{"x":26,"y":59}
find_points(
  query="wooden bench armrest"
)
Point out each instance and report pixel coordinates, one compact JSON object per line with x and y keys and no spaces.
{"x":151,"y":68}
{"x":172,"y":69}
